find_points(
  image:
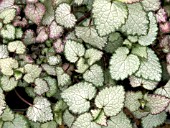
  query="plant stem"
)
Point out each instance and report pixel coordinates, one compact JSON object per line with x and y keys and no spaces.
{"x":25,"y":101}
{"x":87,"y":15}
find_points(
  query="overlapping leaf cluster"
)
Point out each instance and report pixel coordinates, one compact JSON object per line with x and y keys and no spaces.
{"x":74,"y":58}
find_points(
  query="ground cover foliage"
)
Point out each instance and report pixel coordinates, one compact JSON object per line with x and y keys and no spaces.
{"x":84,"y":63}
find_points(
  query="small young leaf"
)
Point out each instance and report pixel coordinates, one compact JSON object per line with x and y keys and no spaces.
{"x":150,"y":68}
{"x":73,"y":51}
{"x":68,"y":118}
{"x":104,"y":13}
{"x":49,"y":69}
{"x":29,"y":37}
{"x":119,"y":121}
{"x":64,"y":16}
{"x":35,"y":12}
{"x":52,"y":84}
{"x":7,"y":115}
{"x":147,"y":84}
{"x":42,"y":35}
{"x":122,"y":64}
{"x":151,"y":5}
{"x":7,"y":15}
{"x":132,"y":100}
{"x":54,"y":60}
{"x":17,"y":46}
{"x":90,"y":36}
{"x":111,"y":100}
{"x":62,"y":77}
{"x":18,"y":33}
{"x":140,"y":51}
{"x":8,"y":32}
{"x":40,"y":111}
{"x":85,"y":121}
{"x":152,"y":33}
{"x":8,"y":83}
{"x":99,"y":117}
{"x":93,"y":55}
{"x":3,"y":51}
{"x":156,"y":103}
{"x":41,"y":86}
{"x":19,"y":122}
{"x":2,"y":101}
{"x":33,"y":71}
{"x":137,"y":22}
{"x":7,"y":65}
{"x":78,"y":97}
{"x":55,"y":30}
{"x":94,"y":75}
{"x":82,"y":66}
{"x":152,"y":121}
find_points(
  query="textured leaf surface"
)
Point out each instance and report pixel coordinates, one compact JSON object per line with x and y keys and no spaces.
{"x":7,"y":65}
{"x":49,"y":69}
{"x":130,"y":1}
{"x":94,"y":75}
{"x":77,"y":96}
{"x":165,"y":90}
{"x":152,"y":121}
{"x":104,"y":13}
{"x":99,"y":117}
{"x":90,"y":36}
{"x":6,"y":3}
{"x":122,"y":64}
{"x":7,"y":15}
{"x":2,"y":101}
{"x":150,"y":68}
{"x":147,"y":84}
{"x":132,"y":100}
{"x":68,"y":118}
{"x":52,"y":84}
{"x":18,"y":122}
{"x":156,"y":103}
{"x":8,"y":32}
{"x":151,"y":5}
{"x":152,"y":33}
{"x":62,"y":77}
{"x":82,"y":66}
{"x":55,"y":30}
{"x":3,"y":51}
{"x":49,"y":13}
{"x":119,"y":121}
{"x":85,"y":121}
{"x":41,"y":86}
{"x":93,"y":55}
{"x":137,"y":23}
{"x":16,"y":46}
{"x":140,"y":51}
{"x":35,"y":12}
{"x":79,"y":2}
{"x":8,"y":83}
{"x":64,"y":16}
{"x":29,"y":37}
{"x":7,"y":115}
{"x":50,"y":124}
{"x":111,"y":100}
{"x":33,"y":71}
{"x":40,"y":111}
{"x":73,"y":51}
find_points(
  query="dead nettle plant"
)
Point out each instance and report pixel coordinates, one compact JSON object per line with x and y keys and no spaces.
{"x":85,"y":63}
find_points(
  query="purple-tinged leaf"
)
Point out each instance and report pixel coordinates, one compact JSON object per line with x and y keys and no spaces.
{"x":6,"y":3}
{"x":29,"y":37}
{"x":42,"y":34}
{"x":31,"y":1}
{"x":58,"y":46}
{"x":161,"y":15}
{"x":35,"y":12}
{"x":165,"y":43}
{"x":156,"y":103}
{"x":20,"y":22}
{"x":165,"y":27}
{"x":168,"y":58}
{"x":56,"y":31}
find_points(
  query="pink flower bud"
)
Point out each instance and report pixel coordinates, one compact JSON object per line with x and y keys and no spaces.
{"x":161,"y":15}
{"x":165,"y":27}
